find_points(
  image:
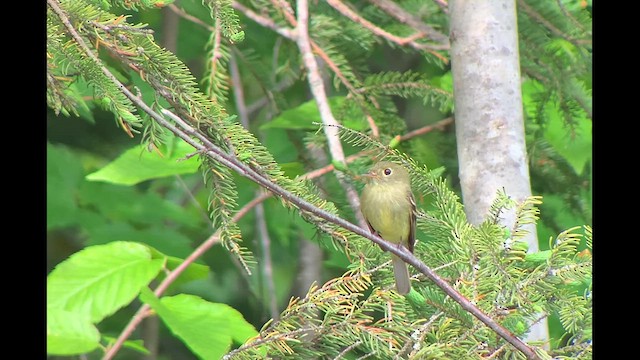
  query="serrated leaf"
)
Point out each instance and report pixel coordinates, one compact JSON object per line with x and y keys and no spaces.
{"x":70,"y":333}
{"x":98,"y":280}
{"x":208,"y":329}
{"x":137,"y":165}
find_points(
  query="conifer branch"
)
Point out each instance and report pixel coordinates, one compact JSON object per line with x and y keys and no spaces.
{"x":540,"y":19}
{"x":347,"y":349}
{"x":264,"y":21}
{"x":288,"y":14}
{"x":190,"y":17}
{"x":317,"y":89}
{"x":292,"y":35}
{"x":211,"y":150}
{"x":215,"y":77}
{"x":444,"y":5}
{"x":401,"y":41}
{"x":410,"y":19}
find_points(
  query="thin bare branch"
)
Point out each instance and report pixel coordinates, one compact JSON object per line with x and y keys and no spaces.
{"x":317,"y":89}
{"x":264,"y":21}
{"x":402,"y":41}
{"x":540,"y":19}
{"x":267,"y":265}
{"x":440,"y":125}
{"x":347,"y":349}
{"x":190,"y":17}
{"x":443,"y":5}
{"x":287,"y":12}
{"x":238,"y":93}
{"x":410,"y":19}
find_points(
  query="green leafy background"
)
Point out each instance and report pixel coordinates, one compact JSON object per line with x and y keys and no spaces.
{"x":116,"y":210}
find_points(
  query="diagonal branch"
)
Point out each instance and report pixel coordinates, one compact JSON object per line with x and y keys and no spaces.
{"x":410,"y":19}
{"x":527,"y":9}
{"x":424,"y":30}
{"x":207,"y":148}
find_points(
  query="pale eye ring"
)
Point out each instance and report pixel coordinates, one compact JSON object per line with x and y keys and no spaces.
{"x":387,"y":171}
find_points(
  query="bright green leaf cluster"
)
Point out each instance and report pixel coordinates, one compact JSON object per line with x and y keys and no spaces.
{"x":97,"y":281}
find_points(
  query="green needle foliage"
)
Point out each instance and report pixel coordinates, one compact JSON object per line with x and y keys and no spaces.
{"x":98,"y":59}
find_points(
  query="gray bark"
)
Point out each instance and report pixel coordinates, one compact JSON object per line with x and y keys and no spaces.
{"x":488,"y":112}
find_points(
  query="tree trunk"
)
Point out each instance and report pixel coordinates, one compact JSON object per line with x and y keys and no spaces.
{"x":488,"y":112}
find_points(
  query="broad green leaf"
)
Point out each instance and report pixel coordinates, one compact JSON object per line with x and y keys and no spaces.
{"x":64,"y":173}
{"x":70,"y":333}
{"x":138,"y":164}
{"x":208,"y":329}
{"x":98,"y":280}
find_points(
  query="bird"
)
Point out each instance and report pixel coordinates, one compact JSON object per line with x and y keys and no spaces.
{"x":389,"y":208}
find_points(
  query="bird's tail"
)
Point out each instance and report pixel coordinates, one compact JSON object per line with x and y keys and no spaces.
{"x":401,"y":272}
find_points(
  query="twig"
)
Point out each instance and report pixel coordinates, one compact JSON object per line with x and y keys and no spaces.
{"x":402,"y":41}
{"x":410,"y":19}
{"x":347,"y":349}
{"x":190,"y":17}
{"x":238,"y":97}
{"x":258,"y":104}
{"x":204,"y":145}
{"x":292,"y":35}
{"x":265,"y":241}
{"x":288,"y":14}
{"x":264,"y":21}
{"x":572,"y":18}
{"x":263,"y":341}
{"x":443,"y":5}
{"x":419,"y":334}
{"x":496,"y":352}
{"x":204,"y":247}
{"x":539,"y":18}
{"x":238,"y":93}
{"x":216,"y":55}
{"x":425,"y":129}
{"x":440,"y":125}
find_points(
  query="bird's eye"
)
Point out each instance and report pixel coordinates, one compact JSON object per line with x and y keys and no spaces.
{"x":387,"y":172}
